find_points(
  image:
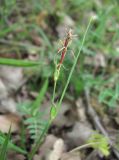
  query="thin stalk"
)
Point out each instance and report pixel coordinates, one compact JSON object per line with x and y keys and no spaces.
{"x":84,"y":146}
{"x":54,"y":90}
{"x":73,"y":67}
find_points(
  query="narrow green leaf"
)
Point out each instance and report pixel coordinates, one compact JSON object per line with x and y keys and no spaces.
{"x":18,"y":63}
{"x":16,"y":148}
{"x":3,"y":152}
{"x":40,"y":97}
{"x":11,"y":145}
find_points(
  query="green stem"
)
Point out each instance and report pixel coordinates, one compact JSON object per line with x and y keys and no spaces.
{"x":54,"y":90}
{"x":73,"y":67}
{"x":84,"y":146}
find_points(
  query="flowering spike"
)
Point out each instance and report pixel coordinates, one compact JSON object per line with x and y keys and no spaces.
{"x":64,"y":48}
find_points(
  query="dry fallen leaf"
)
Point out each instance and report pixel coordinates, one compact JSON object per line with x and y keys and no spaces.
{"x":15,"y":156}
{"x":8,"y":105}
{"x":58,"y":149}
{"x":98,"y":60}
{"x":79,"y":135}
{"x":71,"y":156}
{"x":3,"y":90}
{"x":8,"y":120}
{"x":47,"y":146}
{"x":37,"y":157}
{"x":12,"y":77}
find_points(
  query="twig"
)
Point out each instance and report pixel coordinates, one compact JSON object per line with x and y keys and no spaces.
{"x":95,"y":119}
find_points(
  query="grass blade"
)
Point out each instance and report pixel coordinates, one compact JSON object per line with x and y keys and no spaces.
{"x":39,"y":98}
{"x":18,"y":63}
{"x":10,"y":145}
{"x":4,"y":148}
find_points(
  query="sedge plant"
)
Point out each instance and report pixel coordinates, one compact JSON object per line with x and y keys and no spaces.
{"x":55,"y":107}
